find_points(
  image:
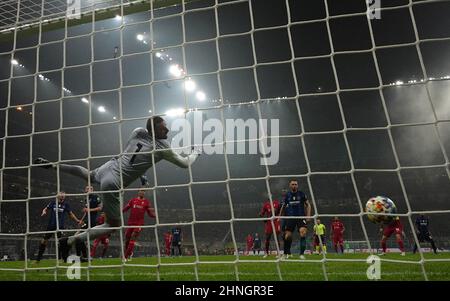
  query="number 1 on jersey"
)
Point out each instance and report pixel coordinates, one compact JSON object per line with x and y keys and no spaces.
{"x":138,"y":149}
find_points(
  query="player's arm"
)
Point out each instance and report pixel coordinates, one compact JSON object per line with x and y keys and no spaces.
{"x":127,"y":207}
{"x":45,"y":210}
{"x":261,"y":213}
{"x":151,"y":212}
{"x":96,"y":209}
{"x":282,"y":209}
{"x":308,"y":208}
{"x":180,"y":161}
{"x":74,"y":217}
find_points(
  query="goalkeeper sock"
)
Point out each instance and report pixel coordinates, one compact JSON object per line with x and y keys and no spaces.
{"x":267,"y":244}
{"x":383,"y":245}
{"x":317,"y":249}
{"x":302,"y":245}
{"x":95,"y":232}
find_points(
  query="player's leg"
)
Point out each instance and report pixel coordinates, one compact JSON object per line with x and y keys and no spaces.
{"x":75,"y":170}
{"x":303,"y":230}
{"x":341,"y":243}
{"x":128,"y":234}
{"x":335,"y":243}
{"x":316,"y":244}
{"x":387,"y":232}
{"x":399,"y":239}
{"x":289,"y":227}
{"x":43,"y":246}
{"x":132,"y":242}
{"x":383,"y":243}
{"x":81,"y":248}
{"x":324,"y":244}
{"x":429,"y":239}
{"x":287,"y":241}
{"x":180,"y":253}
{"x":94,"y":247}
{"x":111,"y":207}
{"x":267,"y":243}
{"x":105,"y":243}
{"x":420,"y":239}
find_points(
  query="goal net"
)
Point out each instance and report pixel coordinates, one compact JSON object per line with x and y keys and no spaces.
{"x":350,"y":99}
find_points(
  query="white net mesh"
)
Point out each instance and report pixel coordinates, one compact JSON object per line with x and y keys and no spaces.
{"x":362,"y":104}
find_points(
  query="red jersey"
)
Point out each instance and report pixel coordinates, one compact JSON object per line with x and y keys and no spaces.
{"x":167,"y":238}
{"x":249,"y":240}
{"x":266,"y":210}
{"x":337,"y":227}
{"x":138,"y":208}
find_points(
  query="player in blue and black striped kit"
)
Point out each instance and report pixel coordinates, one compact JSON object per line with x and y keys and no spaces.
{"x":295,"y":203}
{"x":176,"y":241}
{"x":423,"y":234}
{"x":57,"y":208}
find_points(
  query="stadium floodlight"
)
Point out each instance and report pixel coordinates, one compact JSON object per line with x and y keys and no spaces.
{"x":149,"y":111}
{"x":85,"y":100}
{"x":140,"y":37}
{"x":19,"y":108}
{"x":158,"y":54}
{"x":175,"y":70}
{"x":114,"y":117}
{"x":14,"y":62}
{"x":190,"y":85}
{"x":399,"y":82}
{"x":175,"y":112}
{"x":118,"y":17}
{"x":101,"y":109}
{"x":41,"y":77}
{"x":200,"y":95}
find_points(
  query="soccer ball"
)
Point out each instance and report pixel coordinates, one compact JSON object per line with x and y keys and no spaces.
{"x":380,"y":204}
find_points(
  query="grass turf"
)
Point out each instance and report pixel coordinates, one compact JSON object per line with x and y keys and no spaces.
{"x":249,"y":268}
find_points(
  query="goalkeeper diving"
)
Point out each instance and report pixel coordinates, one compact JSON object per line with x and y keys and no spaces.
{"x":135,"y":161}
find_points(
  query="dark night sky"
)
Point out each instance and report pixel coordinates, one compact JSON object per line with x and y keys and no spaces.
{"x":370,"y":149}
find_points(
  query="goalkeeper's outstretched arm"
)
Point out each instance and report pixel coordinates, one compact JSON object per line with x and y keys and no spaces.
{"x":183,"y":162}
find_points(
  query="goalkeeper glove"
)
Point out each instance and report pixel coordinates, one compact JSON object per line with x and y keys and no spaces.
{"x":144,"y":180}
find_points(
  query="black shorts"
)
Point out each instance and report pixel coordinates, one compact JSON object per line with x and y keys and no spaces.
{"x":292,"y":224}
{"x":317,"y":241}
{"x":424,"y":237}
{"x":47,"y":236}
{"x":176,"y":243}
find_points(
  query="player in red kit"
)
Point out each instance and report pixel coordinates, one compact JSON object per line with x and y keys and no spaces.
{"x":167,"y":242}
{"x":390,"y":227}
{"x":266,"y":211}
{"x":337,"y":231}
{"x":138,"y":207}
{"x":104,"y":240}
{"x":249,"y":244}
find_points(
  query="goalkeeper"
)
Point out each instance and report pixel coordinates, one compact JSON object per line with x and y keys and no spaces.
{"x":131,"y":165}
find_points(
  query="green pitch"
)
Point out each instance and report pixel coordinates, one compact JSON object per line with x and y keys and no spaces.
{"x":255,"y":268}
